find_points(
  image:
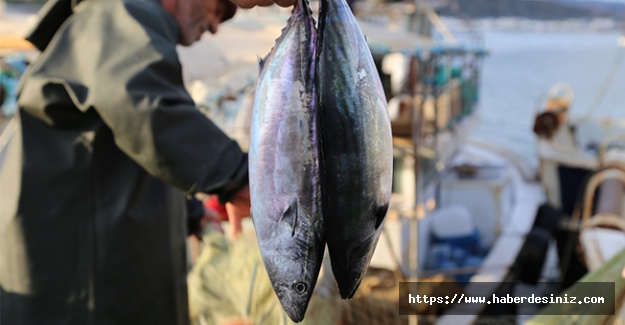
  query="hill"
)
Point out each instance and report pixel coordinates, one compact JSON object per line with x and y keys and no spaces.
{"x":535,"y":9}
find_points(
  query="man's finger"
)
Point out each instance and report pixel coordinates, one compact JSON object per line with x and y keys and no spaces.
{"x":234,"y":219}
{"x":285,"y":3}
{"x":217,"y":226}
{"x":247,"y":4}
{"x":211,"y":215}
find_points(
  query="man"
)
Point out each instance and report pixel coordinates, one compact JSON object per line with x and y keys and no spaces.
{"x":92,"y":207}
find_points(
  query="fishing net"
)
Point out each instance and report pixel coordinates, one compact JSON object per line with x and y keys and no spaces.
{"x":229,"y":281}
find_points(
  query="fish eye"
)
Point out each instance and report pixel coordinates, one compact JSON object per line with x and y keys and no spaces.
{"x":300,"y":287}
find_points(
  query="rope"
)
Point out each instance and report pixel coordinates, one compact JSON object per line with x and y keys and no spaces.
{"x":618,"y":59}
{"x":477,"y":36}
{"x":248,"y":309}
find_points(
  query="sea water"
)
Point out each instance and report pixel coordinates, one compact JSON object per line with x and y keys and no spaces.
{"x":522,"y":66}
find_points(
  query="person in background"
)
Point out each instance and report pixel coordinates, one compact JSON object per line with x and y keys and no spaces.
{"x":92,"y":187}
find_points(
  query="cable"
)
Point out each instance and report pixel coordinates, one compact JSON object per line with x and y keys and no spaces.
{"x":618,"y":59}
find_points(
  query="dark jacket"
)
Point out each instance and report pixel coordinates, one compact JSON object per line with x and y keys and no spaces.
{"x":92,"y":207}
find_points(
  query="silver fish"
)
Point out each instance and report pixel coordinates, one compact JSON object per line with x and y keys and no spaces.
{"x":357,"y":144}
{"x":284,"y":165}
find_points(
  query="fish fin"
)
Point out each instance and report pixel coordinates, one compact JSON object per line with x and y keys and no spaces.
{"x":306,"y":10}
{"x":261,"y":63}
{"x":294,"y":221}
{"x":289,"y":216}
{"x":289,"y":22}
{"x":380,"y":213}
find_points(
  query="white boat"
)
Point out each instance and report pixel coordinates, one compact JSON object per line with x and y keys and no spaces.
{"x":582,"y":167}
{"x":578,"y":155}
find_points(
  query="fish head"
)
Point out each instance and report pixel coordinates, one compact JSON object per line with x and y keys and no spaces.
{"x":294,"y":289}
{"x":293,"y":259}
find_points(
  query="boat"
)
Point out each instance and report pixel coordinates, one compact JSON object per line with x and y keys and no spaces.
{"x":15,"y":53}
{"x":578,"y":155}
{"x":461,"y":208}
{"x":582,"y":168}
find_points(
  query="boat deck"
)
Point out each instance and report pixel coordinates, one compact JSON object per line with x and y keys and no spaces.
{"x":502,"y":256}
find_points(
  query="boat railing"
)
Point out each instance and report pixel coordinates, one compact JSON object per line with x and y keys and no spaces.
{"x":602,"y":224}
{"x":610,"y":140}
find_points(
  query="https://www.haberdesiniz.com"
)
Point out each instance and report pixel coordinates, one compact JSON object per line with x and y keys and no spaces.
{"x":431,"y":298}
{"x":507,"y":299}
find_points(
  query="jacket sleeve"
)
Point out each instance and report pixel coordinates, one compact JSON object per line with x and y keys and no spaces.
{"x":195,"y":213}
{"x":119,"y":59}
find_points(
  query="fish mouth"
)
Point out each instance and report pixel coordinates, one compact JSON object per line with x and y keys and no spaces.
{"x":347,"y":288}
{"x":295,"y":307}
{"x":296,"y":315}
{"x":294,"y":297}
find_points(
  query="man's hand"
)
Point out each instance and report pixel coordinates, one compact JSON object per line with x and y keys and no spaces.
{"x":237,"y":209}
{"x":247,"y":4}
{"x":212,"y":218}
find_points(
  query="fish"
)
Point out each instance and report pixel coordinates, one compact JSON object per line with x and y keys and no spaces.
{"x":284,"y":167}
{"x":356,"y":144}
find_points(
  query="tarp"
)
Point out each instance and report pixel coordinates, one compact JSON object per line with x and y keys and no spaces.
{"x":609,"y":272}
